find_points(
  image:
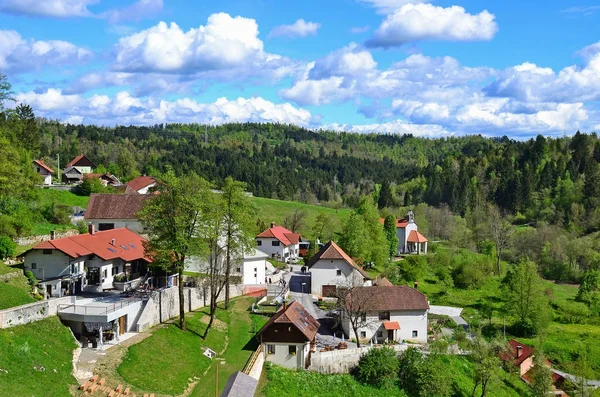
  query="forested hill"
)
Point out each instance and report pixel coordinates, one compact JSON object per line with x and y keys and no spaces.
{"x":543,"y":179}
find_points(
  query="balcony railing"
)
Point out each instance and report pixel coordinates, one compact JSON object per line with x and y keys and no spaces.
{"x":93,"y":310}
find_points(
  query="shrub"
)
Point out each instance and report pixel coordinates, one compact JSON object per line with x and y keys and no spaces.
{"x":82,"y":227}
{"x":7,"y":247}
{"x":58,"y":214}
{"x":30,"y":277}
{"x":421,"y":376}
{"x":378,"y":367}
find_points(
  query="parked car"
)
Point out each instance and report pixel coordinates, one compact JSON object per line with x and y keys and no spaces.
{"x":293,"y":261}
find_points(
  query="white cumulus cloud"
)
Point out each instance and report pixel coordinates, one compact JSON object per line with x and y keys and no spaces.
{"x":389,"y":6}
{"x":300,"y":28}
{"x":48,"y":8}
{"x":418,"y":22}
{"x":18,"y":55}
{"x":138,"y":10}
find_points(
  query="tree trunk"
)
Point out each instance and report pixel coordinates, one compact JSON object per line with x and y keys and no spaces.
{"x":356,"y":335}
{"x":498,"y":253}
{"x":181,"y":299}
{"x":227,"y":275}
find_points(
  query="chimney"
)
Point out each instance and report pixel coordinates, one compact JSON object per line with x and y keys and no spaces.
{"x":519,"y":351}
{"x":272,"y":224}
{"x":91,"y":228}
{"x":112,"y":242}
{"x":52,"y":234}
{"x":416,"y":284}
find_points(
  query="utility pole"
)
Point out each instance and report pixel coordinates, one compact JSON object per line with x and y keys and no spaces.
{"x":58,"y":165}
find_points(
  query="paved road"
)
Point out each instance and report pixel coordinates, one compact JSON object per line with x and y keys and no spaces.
{"x":591,"y":383}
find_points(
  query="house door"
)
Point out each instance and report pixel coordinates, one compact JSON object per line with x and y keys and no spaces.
{"x":391,"y":335}
{"x":48,"y":290}
{"x":121,"y":325}
{"x":78,"y":286}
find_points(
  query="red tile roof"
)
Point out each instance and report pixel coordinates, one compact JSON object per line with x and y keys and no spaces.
{"x":128,"y":245}
{"x":416,"y":237}
{"x":81,"y":160}
{"x":115,"y":206}
{"x":400,"y":223}
{"x":333,"y":251}
{"x":526,"y":352}
{"x":398,"y":297}
{"x":282,"y":234}
{"x":141,"y":182}
{"x":391,"y":325}
{"x":43,"y":165}
{"x":298,"y":316}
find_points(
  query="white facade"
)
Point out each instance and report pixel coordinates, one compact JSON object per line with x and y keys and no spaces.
{"x":86,"y":169}
{"x":275,"y":248}
{"x":334,"y":272}
{"x":253,"y":268}
{"x":132,"y":224}
{"x":51,"y":266}
{"x":403,"y":233}
{"x":279,"y":353}
{"x":44,"y":173}
{"x":413,"y":327}
{"x":145,"y":189}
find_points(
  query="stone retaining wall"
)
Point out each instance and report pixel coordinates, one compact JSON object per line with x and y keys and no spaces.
{"x":342,"y":361}
{"x":31,"y":312}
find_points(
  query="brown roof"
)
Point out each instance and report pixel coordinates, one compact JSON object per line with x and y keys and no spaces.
{"x":416,"y":237}
{"x":383,"y":282}
{"x":296,"y":315}
{"x":398,"y":297}
{"x":526,"y":352}
{"x":282,"y":234}
{"x":43,"y":165}
{"x":81,"y":161}
{"x":141,"y":182}
{"x":333,"y":251}
{"x":114,"y":206}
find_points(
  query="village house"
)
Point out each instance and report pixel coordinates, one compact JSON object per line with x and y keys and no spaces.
{"x":142,"y":184}
{"x":82,"y":164}
{"x":387,"y":314}
{"x":113,"y":211}
{"x":410,"y":241}
{"x":251,"y":268}
{"x":44,"y":171}
{"x":279,"y":242}
{"x":287,"y":337}
{"x":331,"y":268}
{"x":87,"y":262}
{"x":71,"y":175}
{"x":106,"y":179}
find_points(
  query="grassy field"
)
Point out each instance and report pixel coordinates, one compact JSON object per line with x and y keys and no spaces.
{"x":288,"y":383}
{"x":65,"y":197}
{"x":38,"y":357}
{"x":14,"y":292}
{"x":166,"y":361}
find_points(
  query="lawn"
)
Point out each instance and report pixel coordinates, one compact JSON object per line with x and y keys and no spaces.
{"x":270,"y":210}
{"x":38,"y":357}
{"x":167,"y":360}
{"x":14,"y":292}
{"x":289,"y":383}
{"x":65,"y":197}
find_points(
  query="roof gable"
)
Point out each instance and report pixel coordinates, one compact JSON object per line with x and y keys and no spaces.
{"x":512,"y":354}
{"x":416,"y":237}
{"x":141,"y":182}
{"x":382,"y":298}
{"x":43,"y":165}
{"x":296,"y":315}
{"x":115,"y":206}
{"x":332,"y":251}
{"x":285,"y":236}
{"x":81,"y":161}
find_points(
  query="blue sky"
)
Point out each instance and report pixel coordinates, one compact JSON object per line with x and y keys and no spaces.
{"x":429,"y":68}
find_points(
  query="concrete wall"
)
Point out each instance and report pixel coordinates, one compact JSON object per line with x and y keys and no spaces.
{"x":31,"y":312}
{"x":402,"y":234}
{"x":251,"y":276}
{"x":164,"y":304}
{"x":52,"y":265}
{"x":131,"y":224}
{"x":324,"y":272}
{"x":38,"y":239}
{"x":283,"y":357}
{"x":342,"y":361}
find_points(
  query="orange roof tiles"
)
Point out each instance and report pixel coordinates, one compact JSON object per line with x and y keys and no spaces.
{"x":400,"y":223}
{"x":416,"y":237}
{"x":391,"y":325}
{"x":141,"y":182}
{"x":526,"y":352}
{"x":282,"y":234}
{"x":43,"y":165}
{"x":333,"y":251}
{"x":128,"y":245}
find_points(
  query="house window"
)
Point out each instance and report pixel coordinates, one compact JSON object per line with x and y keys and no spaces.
{"x":239,"y":270}
{"x":104,"y":273}
{"x":415,"y":334}
{"x":379,"y":334}
{"x":115,"y":270}
{"x":92,"y":257}
{"x":72,"y":268}
{"x":363,"y":334}
{"x":270,"y":349}
{"x":105,"y":226}
{"x":275,"y":243}
{"x":338,"y":272}
{"x":33,"y":266}
{"x":384,"y":315}
{"x":363,"y":317}
{"x":47,"y":252}
{"x":255,"y":269}
{"x":259,"y":243}
{"x":292,"y":350}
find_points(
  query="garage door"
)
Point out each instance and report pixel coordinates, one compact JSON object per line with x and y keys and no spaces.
{"x":328,"y":290}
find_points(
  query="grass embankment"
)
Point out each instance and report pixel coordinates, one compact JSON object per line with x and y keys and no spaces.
{"x":38,"y":357}
{"x":14,"y":289}
{"x":166,"y":361}
{"x":46,"y":198}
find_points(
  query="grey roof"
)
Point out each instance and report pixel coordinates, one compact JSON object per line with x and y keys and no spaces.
{"x":240,"y":385}
{"x":255,"y":254}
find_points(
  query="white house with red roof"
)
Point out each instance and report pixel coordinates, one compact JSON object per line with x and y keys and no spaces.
{"x":43,"y":170}
{"x":142,"y":184}
{"x":410,"y":241}
{"x":91,"y":261}
{"x":279,"y":242}
{"x":331,"y":268}
{"x":82,"y":164}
